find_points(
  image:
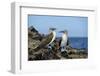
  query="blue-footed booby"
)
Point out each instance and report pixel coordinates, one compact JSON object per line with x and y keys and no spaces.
{"x":48,"y":39}
{"x":64,"y":40}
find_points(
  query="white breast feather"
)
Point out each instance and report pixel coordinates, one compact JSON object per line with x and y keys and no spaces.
{"x":64,"y":40}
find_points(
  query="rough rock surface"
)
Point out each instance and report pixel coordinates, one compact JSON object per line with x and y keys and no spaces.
{"x":34,"y":39}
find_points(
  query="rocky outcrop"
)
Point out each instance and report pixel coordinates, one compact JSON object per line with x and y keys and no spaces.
{"x":34,"y":39}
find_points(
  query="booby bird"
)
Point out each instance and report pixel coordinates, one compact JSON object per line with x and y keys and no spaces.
{"x":48,"y":39}
{"x":64,"y":40}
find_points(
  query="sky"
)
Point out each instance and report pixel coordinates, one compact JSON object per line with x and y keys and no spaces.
{"x":75,"y":25}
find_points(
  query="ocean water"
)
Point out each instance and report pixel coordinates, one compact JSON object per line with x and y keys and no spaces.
{"x":79,"y":42}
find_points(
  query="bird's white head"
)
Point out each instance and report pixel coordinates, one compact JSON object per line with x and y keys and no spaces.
{"x":51,"y":30}
{"x":64,"y":32}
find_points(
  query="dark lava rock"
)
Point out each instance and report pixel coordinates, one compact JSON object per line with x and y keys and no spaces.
{"x":34,"y":39}
{"x":64,"y":54}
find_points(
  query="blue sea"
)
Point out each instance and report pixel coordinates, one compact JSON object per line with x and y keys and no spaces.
{"x":79,"y":42}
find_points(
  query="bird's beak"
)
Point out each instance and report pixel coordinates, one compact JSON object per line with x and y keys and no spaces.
{"x":61,"y":31}
{"x":54,"y":29}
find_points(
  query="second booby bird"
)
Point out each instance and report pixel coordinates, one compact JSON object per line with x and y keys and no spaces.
{"x":64,"y":40}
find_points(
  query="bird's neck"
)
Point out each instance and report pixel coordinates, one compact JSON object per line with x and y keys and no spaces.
{"x":54,"y":36}
{"x":54,"y":33}
{"x":64,"y":36}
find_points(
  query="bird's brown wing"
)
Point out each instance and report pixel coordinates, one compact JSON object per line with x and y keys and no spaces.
{"x":45,"y":41}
